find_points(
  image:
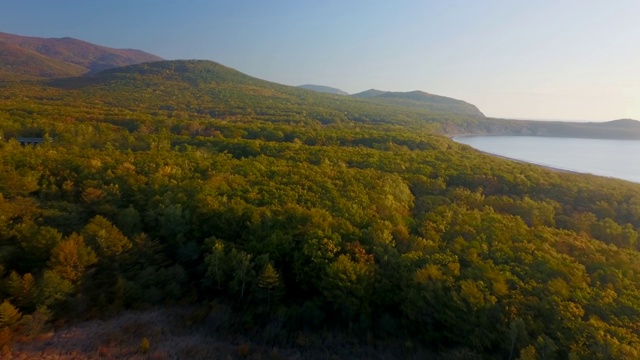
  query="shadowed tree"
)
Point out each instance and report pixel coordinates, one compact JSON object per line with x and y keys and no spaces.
{"x":243,"y":272}
{"x":9,"y":315}
{"x":269,"y":281}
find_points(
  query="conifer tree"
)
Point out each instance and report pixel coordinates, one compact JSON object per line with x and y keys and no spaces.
{"x":9,"y":315}
{"x":269,"y":280}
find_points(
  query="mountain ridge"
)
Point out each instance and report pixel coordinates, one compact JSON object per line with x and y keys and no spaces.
{"x":622,"y":123}
{"x":323,"y":89}
{"x":204,"y":85}
{"x":32,"y":58}
{"x":421,"y":99}
{"x":621,"y":129}
{"x":367,"y":94}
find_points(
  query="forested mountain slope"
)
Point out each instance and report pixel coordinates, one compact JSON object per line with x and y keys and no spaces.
{"x":307,"y":215}
{"x":215,"y":91}
{"x":324,"y":89}
{"x":421,"y":99}
{"x":25,"y":57}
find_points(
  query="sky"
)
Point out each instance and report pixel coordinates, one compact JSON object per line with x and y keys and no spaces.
{"x":537,"y":59}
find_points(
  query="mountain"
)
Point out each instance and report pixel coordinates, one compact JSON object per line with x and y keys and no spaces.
{"x":629,"y":124}
{"x":220,"y":91}
{"x":421,"y":99}
{"x":24,"y":57}
{"x":323,"y":89}
{"x":368,"y":94}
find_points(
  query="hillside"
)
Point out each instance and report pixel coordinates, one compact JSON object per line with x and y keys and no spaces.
{"x":295,"y":223}
{"x":420,"y":99}
{"x":323,"y":89}
{"x":216,"y":91}
{"x":219,"y":91}
{"x":37,"y":58}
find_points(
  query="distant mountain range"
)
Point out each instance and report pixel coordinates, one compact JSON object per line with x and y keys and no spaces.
{"x":134,"y":77}
{"x":31,"y":58}
{"x":413,"y":99}
{"x":615,"y":129}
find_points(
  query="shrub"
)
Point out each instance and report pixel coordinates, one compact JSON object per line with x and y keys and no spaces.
{"x":145,"y":346}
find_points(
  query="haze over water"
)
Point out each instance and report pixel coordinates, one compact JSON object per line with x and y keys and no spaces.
{"x":613,"y":158}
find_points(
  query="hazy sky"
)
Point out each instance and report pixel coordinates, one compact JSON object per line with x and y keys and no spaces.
{"x":551,"y":59}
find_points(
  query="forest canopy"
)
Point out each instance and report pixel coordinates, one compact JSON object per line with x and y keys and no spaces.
{"x":188,"y":182}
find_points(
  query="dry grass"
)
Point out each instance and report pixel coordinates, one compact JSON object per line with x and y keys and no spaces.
{"x":188,"y":333}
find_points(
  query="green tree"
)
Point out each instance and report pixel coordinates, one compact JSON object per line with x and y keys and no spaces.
{"x":129,"y":221}
{"x":347,"y":284}
{"x":52,"y":289}
{"x":36,"y":243}
{"x":107,"y":239}
{"x":216,"y":263}
{"x":21,"y":289}
{"x":269,"y":281}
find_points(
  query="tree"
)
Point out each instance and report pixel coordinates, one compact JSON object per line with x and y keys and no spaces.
{"x":517,"y":330}
{"x":347,"y":284}
{"x":71,"y":257}
{"x":9,"y":315}
{"x":21,"y":289}
{"x":52,"y":289}
{"x":36,"y":243}
{"x":243,"y":272}
{"x":105,"y":237}
{"x":216,"y":264}
{"x":129,"y":221}
{"x":269,"y":281}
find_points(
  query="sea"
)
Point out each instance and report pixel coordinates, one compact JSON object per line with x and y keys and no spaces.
{"x":611,"y":158}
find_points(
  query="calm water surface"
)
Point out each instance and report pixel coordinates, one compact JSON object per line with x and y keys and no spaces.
{"x":612,"y":158}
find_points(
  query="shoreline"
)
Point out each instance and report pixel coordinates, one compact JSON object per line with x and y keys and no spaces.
{"x":551,"y":168}
{"x":454,"y":138}
{"x":554,"y":169}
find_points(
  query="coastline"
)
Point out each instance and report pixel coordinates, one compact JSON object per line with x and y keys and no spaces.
{"x":551,"y":168}
{"x":554,"y":169}
{"x":605,"y":170}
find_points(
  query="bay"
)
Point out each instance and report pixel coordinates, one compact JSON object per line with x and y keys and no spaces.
{"x":613,"y":158}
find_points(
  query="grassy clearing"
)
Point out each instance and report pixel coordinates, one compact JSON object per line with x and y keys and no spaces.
{"x":198,"y":333}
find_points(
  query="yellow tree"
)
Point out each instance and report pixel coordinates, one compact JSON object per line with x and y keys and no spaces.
{"x":71,"y":257}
